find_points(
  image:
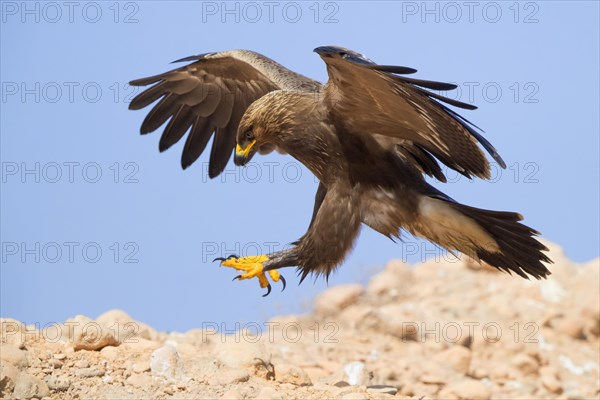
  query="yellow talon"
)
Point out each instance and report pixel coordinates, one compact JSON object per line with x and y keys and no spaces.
{"x":253,"y":268}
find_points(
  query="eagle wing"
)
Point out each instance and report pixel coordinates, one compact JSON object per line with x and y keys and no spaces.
{"x":368,"y":99}
{"x":210,"y":95}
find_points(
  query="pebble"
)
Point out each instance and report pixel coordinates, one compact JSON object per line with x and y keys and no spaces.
{"x":139,"y":380}
{"x":89,"y":372}
{"x":238,"y":354}
{"x":28,"y":387}
{"x":54,"y":363}
{"x":433,"y":373}
{"x":268,"y":393}
{"x":457,"y":357}
{"x":110,"y":353}
{"x":551,"y":383}
{"x":164,"y":362}
{"x":466,"y":389}
{"x":141,"y":366}
{"x":232,"y":394}
{"x":13,"y":355}
{"x":82,"y":363}
{"x":127,"y":328}
{"x":87,"y":334}
{"x":232,"y":376}
{"x":399,"y":321}
{"x":382,"y":389}
{"x":526,"y":364}
{"x":355,"y":396}
{"x":8,"y":377}
{"x":288,"y":373}
{"x":355,"y":373}
{"x":58,"y":383}
{"x":11,"y":332}
{"x":571,"y":326}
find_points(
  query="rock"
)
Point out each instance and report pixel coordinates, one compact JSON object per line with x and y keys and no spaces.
{"x":287,"y":373}
{"x":54,"y":363}
{"x":58,"y":383}
{"x":571,"y":326}
{"x":110,"y":353}
{"x":60,"y":356}
{"x":8,"y":377}
{"x":141,"y":381}
{"x":128,"y":329}
{"x":550,"y":379}
{"x":356,"y":374}
{"x":13,"y":355}
{"x":89,"y":372}
{"x":141,"y":345}
{"x":525,"y":363}
{"x":316,"y":373}
{"x":87,"y":334}
{"x":400,"y":320}
{"x":82,"y":363}
{"x":268,"y":393}
{"x":457,"y":357}
{"x":552,"y":384}
{"x":503,"y":372}
{"x":337,"y":298}
{"x":382,"y":389}
{"x":355,"y":396}
{"x":141,"y":366}
{"x":232,"y":376}
{"x":28,"y":387}
{"x":466,"y":389}
{"x":237,"y":354}
{"x":574,"y":394}
{"x":433,"y":373}
{"x":12,"y":332}
{"x":164,"y":362}
{"x":232,"y":394}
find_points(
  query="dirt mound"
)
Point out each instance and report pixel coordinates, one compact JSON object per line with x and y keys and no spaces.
{"x":443,"y":329}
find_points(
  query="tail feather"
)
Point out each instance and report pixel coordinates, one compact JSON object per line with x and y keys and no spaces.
{"x":519,"y":250}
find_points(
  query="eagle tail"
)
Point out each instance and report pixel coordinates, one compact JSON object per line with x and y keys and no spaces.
{"x":496,"y":237}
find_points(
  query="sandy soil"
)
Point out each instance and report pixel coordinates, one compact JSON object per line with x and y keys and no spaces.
{"x":451,"y":330}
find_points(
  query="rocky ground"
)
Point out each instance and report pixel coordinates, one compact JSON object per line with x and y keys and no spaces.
{"x":450,"y":330}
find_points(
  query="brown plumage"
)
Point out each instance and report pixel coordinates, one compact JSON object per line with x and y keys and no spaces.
{"x":368,"y":135}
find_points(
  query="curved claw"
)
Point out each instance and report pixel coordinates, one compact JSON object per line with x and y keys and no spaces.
{"x":236,"y":278}
{"x":225,"y":258}
{"x":284,"y":283}
{"x":268,"y":290}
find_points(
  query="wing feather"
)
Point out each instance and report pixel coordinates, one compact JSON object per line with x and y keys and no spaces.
{"x":159,"y":114}
{"x":196,"y":141}
{"x":176,"y":128}
{"x":367,"y":100}
{"x":210,"y":95}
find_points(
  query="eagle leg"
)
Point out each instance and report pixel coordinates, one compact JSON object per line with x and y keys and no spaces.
{"x":254,"y":268}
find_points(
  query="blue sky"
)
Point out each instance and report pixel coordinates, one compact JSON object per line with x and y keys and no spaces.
{"x":94,"y":218}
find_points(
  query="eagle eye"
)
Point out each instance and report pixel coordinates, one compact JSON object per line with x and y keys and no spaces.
{"x":249,"y":135}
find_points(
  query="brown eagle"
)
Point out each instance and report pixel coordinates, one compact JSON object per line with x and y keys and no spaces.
{"x":369,"y":135}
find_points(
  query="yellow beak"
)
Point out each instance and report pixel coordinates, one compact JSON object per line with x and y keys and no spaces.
{"x":243,"y":153}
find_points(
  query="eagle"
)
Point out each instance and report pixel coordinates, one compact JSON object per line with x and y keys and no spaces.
{"x":370,"y":135}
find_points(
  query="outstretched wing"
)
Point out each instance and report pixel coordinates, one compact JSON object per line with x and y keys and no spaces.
{"x":368,"y":99}
{"x":210,"y":95}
